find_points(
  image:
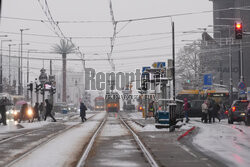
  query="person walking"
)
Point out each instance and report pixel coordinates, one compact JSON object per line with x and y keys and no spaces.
{"x":83,"y":109}
{"x":3,"y":111}
{"x":36,"y":112}
{"x":151,"y":109}
{"x":41,"y":110}
{"x":215,"y":112}
{"x":186,"y":108}
{"x":24,"y":108}
{"x":48,"y":110}
{"x":204,"y":108}
{"x":210,"y":110}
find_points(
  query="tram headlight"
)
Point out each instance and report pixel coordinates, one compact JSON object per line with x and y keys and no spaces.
{"x":30,"y":112}
{"x":15,"y":113}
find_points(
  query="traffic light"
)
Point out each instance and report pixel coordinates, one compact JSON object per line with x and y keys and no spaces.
{"x":30,"y":86}
{"x":238,"y":30}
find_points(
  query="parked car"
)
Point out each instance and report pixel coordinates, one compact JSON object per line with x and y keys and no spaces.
{"x":60,"y":108}
{"x":72,"y":107}
{"x":238,"y":111}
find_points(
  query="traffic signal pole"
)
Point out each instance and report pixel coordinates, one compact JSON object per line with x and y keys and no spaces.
{"x":173,"y":52}
{"x":241,"y":62}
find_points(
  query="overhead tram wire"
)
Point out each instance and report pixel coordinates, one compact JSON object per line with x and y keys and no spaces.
{"x":125,"y":20}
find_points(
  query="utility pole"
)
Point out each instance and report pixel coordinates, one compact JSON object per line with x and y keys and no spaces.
{"x":1,"y":65}
{"x":173,"y":52}
{"x":241,"y":62}
{"x":10,"y":61}
{"x":21,"y":70}
{"x":50,"y":69}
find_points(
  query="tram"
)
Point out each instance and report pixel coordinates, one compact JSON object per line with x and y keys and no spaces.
{"x":99,"y":103}
{"x":112,"y":102}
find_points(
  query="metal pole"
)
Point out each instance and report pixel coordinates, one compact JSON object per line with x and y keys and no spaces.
{"x":241,"y":63}
{"x":28,"y":75}
{"x":50,"y":69}
{"x":1,"y":69}
{"x":21,"y":69}
{"x":19,"y":72}
{"x":9,"y":65}
{"x":195,"y":68}
{"x":230,"y":69}
{"x":173,"y":50}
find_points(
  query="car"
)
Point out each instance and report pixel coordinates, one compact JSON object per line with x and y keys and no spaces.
{"x":60,"y":108}
{"x":238,"y":111}
{"x":28,"y":114}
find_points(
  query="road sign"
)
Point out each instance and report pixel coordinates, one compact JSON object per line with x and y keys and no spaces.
{"x":242,"y":92}
{"x":208,"y":79}
{"x":242,"y":85}
{"x":144,"y":69}
{"x":161,"y":64}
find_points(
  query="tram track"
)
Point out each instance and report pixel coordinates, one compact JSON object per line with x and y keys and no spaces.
{"x":41,"y":144}
{"x":143,"y":148}
{"x":146,"y":154}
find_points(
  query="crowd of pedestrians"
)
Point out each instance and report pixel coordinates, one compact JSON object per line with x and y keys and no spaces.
{"x":211,"y":110}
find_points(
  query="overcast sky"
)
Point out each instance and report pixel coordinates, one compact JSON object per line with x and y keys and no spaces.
{"x":135,"y":51}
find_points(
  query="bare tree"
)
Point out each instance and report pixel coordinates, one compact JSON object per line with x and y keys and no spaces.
{"x":188,"y":67}
{"x":65,"y":47}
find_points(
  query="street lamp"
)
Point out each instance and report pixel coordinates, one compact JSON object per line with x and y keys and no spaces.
{"x":9,"y":61}
{"x":20,"y":71}
{"x":1,"y":65}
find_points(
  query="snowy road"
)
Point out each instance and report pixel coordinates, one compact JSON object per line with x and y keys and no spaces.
{"x":63,"y":150}
{"x":225,"y":141}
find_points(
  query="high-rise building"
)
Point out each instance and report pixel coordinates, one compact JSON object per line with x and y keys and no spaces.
{"x":224,"y":36}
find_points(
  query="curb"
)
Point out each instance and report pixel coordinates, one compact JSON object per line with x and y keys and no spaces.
{"x":186,"y":133}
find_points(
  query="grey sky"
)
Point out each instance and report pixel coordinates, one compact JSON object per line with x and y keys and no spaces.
{"x":80,"y":10}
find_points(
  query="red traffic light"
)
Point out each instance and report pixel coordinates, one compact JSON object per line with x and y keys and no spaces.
{"x":238,"y":26}
{"x":238,"y":30}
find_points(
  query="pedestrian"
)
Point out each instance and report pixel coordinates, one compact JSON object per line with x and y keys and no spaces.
{"x":3,"y":111}
{"x":24,"y":108}
{"x":215,"y":111}
{"x":204,"y":108}
{"x":36,"y":112}
{"x":42,"y":110}
{"x":186,"y":109}
{"x":151,"y":108}
{"x":83,"y":109}
{"x":48,"y":110}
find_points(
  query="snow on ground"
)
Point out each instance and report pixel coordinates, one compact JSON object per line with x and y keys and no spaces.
{"x":61,"y":150}
{"x":111,"y":130}
{"x":230,"y":142}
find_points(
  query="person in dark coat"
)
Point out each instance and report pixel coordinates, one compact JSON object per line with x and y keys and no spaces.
{"x":3,"y":112}
{"x":186,"y":109}
{"x":215,"y":111}
{"x":36,"y":112}
{"x":41,"y":109}
{"x":22,"y":112}
{"x":48,"y":110}
{"x":83,"y":109}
